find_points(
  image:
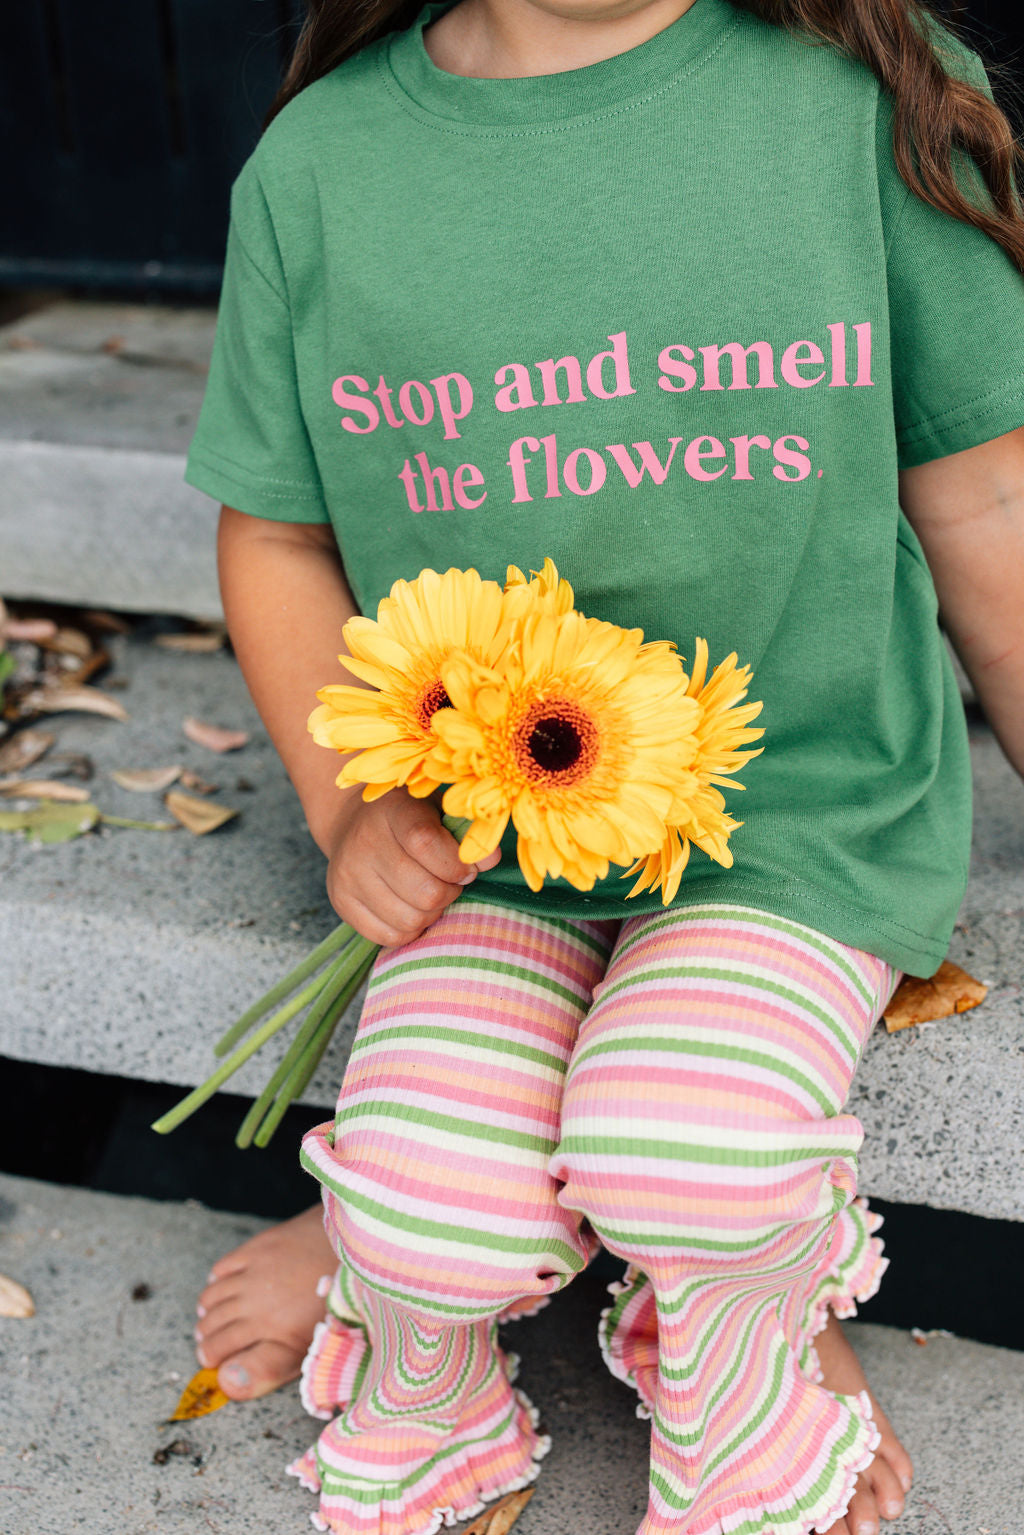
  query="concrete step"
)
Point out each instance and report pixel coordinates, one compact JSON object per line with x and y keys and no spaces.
{"x":127,"y":952}
{"x":89,"y":1379}
{"x":98,"y":402}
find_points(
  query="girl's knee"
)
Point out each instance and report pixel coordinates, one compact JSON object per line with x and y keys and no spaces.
{"x":459,"y":1252}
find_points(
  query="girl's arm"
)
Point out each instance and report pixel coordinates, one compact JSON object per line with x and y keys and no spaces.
{"x":392,"y":866}
{"x":968,"y":511}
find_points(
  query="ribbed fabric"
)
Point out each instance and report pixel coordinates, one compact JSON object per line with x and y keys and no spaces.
{"x":520,"y":1082}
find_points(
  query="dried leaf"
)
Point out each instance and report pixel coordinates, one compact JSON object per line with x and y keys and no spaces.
{"x":215,"y":737}
{"x":69,"y":642}
{"x":501,"y":1516}
{"x":198,"y":785}
{"x":195,"y":642}
{"x":15,"y":1299}
{"x":79,"y":700}
{"x":113,"y":345}
{"x":104,"y":622}
{"x":200,"y":1396}
{"x":197,"y":815}
{"x":950,"y":990}
{"x":34,"y":630}
{"x":23,"y":749}
{"x":43,"y":788}
{"x":147,"y":780}
{"x":51,"y":823}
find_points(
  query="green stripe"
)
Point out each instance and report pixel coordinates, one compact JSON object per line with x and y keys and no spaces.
{"x":490,"y":1043}
{"x":370,"y":1492}
{"x":804,"y":935}
{"x":472,"y":1129}
{"x":682,"y":1046}
{"x":737,"y":977}
{"x":682,"y":1151}
{"x":441,"y":1230}
{"x":422,"y":962}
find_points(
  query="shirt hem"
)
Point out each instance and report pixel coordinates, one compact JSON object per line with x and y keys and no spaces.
{"x":284,"y":504}
{"x":902,"y":947}
{"x":964,"y":426}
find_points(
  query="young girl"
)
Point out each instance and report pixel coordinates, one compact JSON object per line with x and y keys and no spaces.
{"x":721,"y":306}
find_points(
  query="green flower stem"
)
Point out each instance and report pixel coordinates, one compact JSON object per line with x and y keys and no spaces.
{"x":311,"y":1056}
{"x":250,"y":1124}
{"x":187,"y":1107}
{"x":303,"y":1070}
{"x":339,"y":939}
{"x":335,"y":981}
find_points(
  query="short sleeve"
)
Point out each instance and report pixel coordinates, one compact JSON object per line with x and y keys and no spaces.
{"x":956,"y":311}
{"x":251,"y":448}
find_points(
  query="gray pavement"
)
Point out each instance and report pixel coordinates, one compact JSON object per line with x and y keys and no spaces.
{"x":98,"y":402}
{"x":89,"y":1379}
{"x":127,"y":952}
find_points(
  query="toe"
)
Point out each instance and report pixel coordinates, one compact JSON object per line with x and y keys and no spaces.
{"x":886,"y":1486}
{"x":215,"y":1345}
{"x":862,"y":1514}
{"x":258,"y":1370}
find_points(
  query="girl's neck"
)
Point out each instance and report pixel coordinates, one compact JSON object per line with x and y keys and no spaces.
{"x":510,"y":39}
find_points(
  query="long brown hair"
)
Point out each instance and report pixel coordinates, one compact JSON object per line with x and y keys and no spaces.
{"x":936,"y":113}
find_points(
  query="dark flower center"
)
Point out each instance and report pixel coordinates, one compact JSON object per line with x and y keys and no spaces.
{"x":557,"y":742}
{"x":432,"y":699}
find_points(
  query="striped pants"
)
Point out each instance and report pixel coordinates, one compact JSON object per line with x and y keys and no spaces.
{"x":522,"y":1088}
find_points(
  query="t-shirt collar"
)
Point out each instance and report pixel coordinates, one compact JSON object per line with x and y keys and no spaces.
{"x":596,"y":88}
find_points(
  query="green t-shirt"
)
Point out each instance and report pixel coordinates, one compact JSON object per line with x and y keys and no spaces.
{"x":674,"y":320}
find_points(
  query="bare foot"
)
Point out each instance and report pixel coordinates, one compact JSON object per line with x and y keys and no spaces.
{"x":258,"y":1312}
{"x":881,"y":1488}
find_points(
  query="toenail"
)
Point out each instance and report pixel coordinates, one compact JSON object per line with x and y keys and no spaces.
{"x":201,"y":1356}
{"x":211,"y":1277}
{"x":200,"y":1311}
{"x":197,"y":1333}
{"x":892,"y":1510}
{"x":867,"y":1527}
{"x":235,"y":1375}
{"x":905,"y":1481}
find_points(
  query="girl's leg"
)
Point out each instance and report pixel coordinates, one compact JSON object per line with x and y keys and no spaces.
{"x":439,"y":1202}
{"x":703,"y":1139}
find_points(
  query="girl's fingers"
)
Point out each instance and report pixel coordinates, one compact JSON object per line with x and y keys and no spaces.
{"x":384,"y":918}
{"x":416,"y":827}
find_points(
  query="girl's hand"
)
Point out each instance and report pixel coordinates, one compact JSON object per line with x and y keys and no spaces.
{"x":393,"y":868}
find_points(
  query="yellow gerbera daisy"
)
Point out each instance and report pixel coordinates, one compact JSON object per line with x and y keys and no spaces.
{"x":583,"y":738}
{"x":721,"y":730}
{"x":401,"y":654}
{"x":547,"y":592}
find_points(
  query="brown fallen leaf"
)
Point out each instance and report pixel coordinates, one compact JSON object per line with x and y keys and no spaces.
{"x":43,"y":788}
{"x":15,"y":1299}
{"x":200,"y":1396}
{"x":77,"y":700}
{"x":197,"y":642}
{"x":23,"y":749}
{"x":69,"y":642}
{"x":198,"y":816}
{"x":113,"y":345}
{"x":214,"y":737}
{"x":147,"y":780}
{"x":501,"y":1516}
{"x":950,"y":990}
{"x":198,"y":785}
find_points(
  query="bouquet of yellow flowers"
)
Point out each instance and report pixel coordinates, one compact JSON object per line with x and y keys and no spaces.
{"x":599,"y":748}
